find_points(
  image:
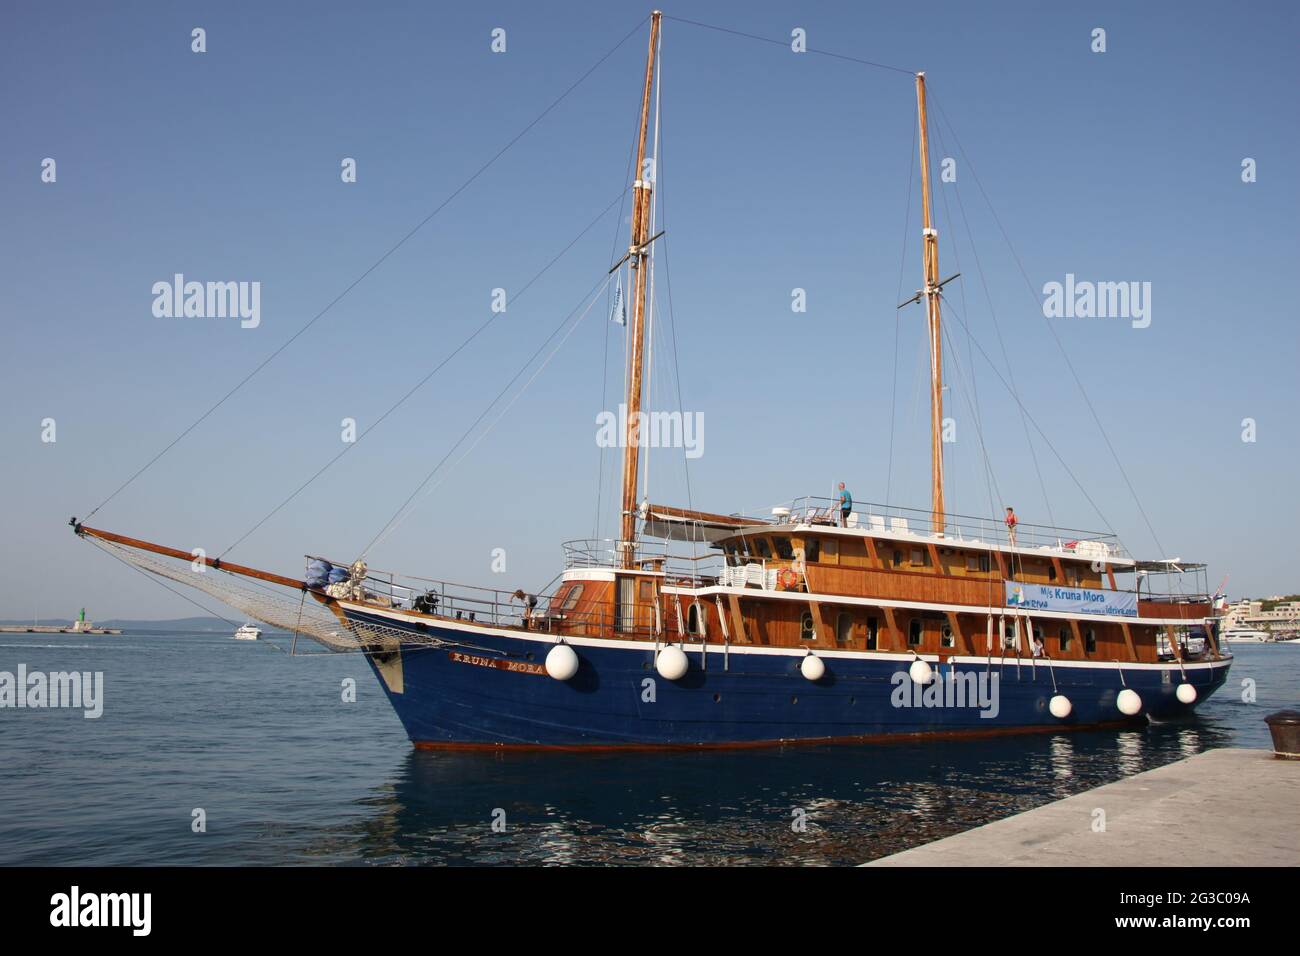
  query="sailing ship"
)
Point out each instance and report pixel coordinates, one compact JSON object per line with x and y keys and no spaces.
{"x":810,"y":623}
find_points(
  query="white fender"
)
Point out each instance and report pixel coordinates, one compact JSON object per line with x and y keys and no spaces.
{"x":1186,"y":693}
{"x":672,"y":663}
{"x":1060,"y":706}
{"x":921,"y":672}
{"x":561,"y":662}
{"x":1128,"y":702}
{"x":812,"y":667}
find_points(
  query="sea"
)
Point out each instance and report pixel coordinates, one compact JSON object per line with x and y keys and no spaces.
{"x":211,"y":751}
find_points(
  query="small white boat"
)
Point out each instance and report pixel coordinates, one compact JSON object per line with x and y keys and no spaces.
{"x":248,"y":633}
{"x":1243,"y":635}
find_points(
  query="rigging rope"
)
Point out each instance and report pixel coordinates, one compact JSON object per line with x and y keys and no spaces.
{"x":375,"y":265}
{"x":398,"y":516}
{"x":422,"y":382}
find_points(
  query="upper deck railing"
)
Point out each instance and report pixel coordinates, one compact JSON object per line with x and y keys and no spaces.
{"x":890,"y":519}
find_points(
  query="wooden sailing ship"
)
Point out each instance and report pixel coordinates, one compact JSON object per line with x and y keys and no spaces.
{"x":810,"y":623}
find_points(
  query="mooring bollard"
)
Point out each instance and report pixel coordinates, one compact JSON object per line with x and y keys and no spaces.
{"x":1285,"y":728}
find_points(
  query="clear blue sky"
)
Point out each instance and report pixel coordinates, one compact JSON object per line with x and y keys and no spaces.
{"x":777,"y":171}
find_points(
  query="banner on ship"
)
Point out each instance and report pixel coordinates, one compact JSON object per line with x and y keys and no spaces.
{"x":1049,"y":597}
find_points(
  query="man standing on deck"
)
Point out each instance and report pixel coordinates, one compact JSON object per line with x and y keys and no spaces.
{"x":1011,"y":526}
{"x":846,"y":505}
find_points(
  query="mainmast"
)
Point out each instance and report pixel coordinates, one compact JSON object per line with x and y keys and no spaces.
{"x":932,"y":290}
{"x":637,"y":253}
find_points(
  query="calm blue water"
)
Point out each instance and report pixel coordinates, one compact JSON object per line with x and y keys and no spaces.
{"x":288,"y":773}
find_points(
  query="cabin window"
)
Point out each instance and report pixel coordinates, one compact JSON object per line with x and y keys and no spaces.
{"x":730,"y":551}
{"x":946,"y":636}
{"x":760,"y":548}
{"x":1090,"y":641}
{"x":1072,"y":576}
{"x":1066,"y":639}
{"x":920,"y":558}
{"x":645,"y":591}
{"x":873,"y":633}
{"x":844,"y":629}
{"x":898,"y":558}
{"x":694,"y":620}
{"x":812,"y":550}
{"x":784,"y":549}
{"x":571,"y":599}
{"x":914,"y":633}
{"x":1051,"y":572}
{"x":742,"y":549}
{"x":972,"y":562}
{"x":831,"y":548}
{"x":807,"y":630}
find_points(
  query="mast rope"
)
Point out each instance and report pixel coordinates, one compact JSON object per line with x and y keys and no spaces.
{"x":1006,"y":358}
{"x":375,"y":265}
{"x":398,"y":516}
{"x":786,"y":44}
{"x":423,"y":381}
{"x":898,"y":317}
{"x":1057,"y":339}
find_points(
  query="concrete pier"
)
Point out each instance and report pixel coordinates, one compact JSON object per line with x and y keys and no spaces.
{"x":1230,"y":807}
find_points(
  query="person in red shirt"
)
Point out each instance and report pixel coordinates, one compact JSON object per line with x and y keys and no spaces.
{"x":1011,"y":526}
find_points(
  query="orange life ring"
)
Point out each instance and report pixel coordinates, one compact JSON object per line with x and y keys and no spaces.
{"x":787,"y":579}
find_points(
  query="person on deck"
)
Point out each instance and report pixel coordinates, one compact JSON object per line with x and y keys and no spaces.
{"x":1038,"y":646}
{"x":846,"y":505}
{"x":1011,"y":526}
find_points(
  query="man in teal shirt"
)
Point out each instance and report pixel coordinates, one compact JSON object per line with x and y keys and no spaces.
{"x":846,"y":505}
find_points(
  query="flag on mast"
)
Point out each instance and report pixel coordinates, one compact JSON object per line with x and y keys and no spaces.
{"x":619,"y":313}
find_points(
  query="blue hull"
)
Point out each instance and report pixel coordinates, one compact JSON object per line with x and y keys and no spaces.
{"x":492,"y":691}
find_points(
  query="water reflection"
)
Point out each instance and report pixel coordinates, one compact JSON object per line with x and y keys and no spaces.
{"x":858,"y":803}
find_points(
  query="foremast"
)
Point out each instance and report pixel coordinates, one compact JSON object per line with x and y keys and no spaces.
{"x":637,"y":254}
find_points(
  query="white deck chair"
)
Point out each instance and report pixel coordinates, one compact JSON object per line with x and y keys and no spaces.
{"x":899,"y":525}
{"x":876,"y":522}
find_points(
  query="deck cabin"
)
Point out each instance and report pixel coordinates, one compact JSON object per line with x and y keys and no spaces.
{"x":879,"y":581}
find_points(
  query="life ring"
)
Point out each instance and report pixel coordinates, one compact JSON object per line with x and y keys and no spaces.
{"x":787,"y":579}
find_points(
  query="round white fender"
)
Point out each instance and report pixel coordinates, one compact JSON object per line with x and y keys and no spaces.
{"x":921,"y":672}
{"x":812,"y":667}
{"x":1128,"y":702}
{"x":1060,"y":706}
{"x":1186,"y":693}
{"x":672,"y":663}
{"x":561,"y":662}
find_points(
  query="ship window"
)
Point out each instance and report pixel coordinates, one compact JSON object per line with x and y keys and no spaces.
{"x":807,"y":631}
{"x":919,"y":557}
{"x":694,"y":620}
{"x":898,"y":558}
{"x":844,"y":629}
{"x":1072,"y":575}
{"x":645,"y":592}
{"x":812,"y":550}
{"x":784,"y":549}
{"x":1066,"y":639}
{"x":1090,"y":641}
{"x":946,"y":637}
{"x":873,"y":633}
{"x":832,"y":547}
{"x":914,"y":633}
{"x":1051,"y":572}
{"x":972,"y":562}
{"x":571,"y":599}
{"x":761,"y":548}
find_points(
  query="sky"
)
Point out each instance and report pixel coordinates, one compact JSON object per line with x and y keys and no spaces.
{"x":777,"y":171}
